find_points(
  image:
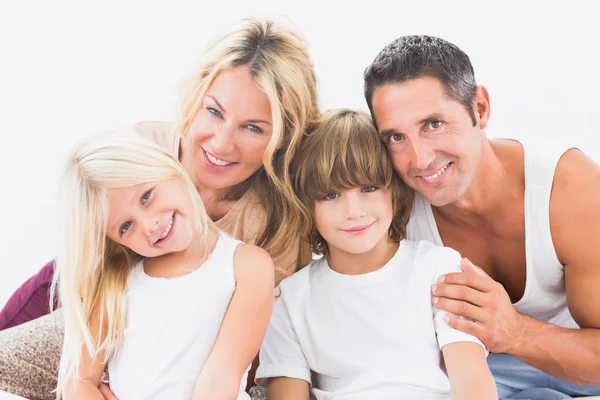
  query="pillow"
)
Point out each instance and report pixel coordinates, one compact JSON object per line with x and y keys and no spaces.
{"x":30,"y":301}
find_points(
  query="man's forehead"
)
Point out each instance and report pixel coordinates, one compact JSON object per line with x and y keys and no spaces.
{"x":410,"y":102}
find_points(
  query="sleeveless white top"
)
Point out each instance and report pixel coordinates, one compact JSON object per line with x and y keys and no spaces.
{"x":171,"y":327}
{"x":545,"y":296}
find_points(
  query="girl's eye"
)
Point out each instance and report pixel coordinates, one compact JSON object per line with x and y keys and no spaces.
{"x":435,"y":125}
{"x":146,"y":196}
{"x":332,"y":196}
{"x":254,"y":128}
{"x":214,"y":111}
{"x":124,"y":227}
{"x":369,"y":189}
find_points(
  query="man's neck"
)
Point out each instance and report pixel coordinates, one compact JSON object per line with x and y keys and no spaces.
{"x":495,"y":182}
{"x":356,"y":264}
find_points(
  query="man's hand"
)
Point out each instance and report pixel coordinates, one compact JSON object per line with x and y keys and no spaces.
{"x":474,"y":295}
{"x":105,"y":389}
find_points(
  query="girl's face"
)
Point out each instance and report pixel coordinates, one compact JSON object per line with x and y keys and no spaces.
{"x":152,"y":219}
{"x":231,"y":131}
{"x":354,"y":221}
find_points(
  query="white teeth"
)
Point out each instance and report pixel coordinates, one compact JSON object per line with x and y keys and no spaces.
{"x":166,"y":232}
{"x":216,"y":160}
{"x":432,"y":177}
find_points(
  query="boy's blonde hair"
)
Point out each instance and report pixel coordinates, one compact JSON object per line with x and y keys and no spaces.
{"x":91,"y":269}
{"x":345,"y":152}
{"x":280,"y":64}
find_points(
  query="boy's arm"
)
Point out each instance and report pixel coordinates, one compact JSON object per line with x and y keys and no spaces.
{"x":283,"y":388}
{"x":243,"y":327}
{"x":470,"y":377}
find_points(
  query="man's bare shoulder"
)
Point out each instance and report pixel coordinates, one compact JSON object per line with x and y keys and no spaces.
{"x":574,"y":202}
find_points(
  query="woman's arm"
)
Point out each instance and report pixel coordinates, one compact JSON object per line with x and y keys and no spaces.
{"x":282,"y":388}
{"x":470,"y":377}
{"x":243,"y":327}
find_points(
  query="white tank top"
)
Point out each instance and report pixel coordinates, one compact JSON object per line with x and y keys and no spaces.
{"x":171,"y":327}
{"x":545,"y":297}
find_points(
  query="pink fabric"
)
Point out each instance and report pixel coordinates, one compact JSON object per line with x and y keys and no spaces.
{"x":30,"y":301}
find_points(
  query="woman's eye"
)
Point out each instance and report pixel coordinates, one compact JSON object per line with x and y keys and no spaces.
{"x":214,"y":111}
{"x":369,"y":189}
{"x":332,"y":196}
{"x":146,"y":196}
{"x":254,"y":128}
{"x":124,"y":227}
{"x":435,"y":124}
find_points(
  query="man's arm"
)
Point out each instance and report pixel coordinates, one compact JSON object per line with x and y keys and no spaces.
{"x":470,"y":377}
{"x":570,"y":354}
{"x":575,"y":225}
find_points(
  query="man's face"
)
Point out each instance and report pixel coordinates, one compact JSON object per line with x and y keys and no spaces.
{"x":431,"y":138}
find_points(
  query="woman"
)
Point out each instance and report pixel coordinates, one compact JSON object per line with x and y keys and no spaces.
{"x":252,"y":99}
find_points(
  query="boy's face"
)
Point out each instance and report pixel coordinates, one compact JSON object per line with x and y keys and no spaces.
{"x":152,"y":219}
{"x":355,"y":220}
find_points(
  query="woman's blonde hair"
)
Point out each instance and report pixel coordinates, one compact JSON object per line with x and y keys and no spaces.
{"x":345,"y":152}
{"x":91,"y":269}
{"x":280,"y":64}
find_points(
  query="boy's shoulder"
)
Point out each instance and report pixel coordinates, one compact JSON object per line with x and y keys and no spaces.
{"x":297,"y":284}
{"x":424,"y":248}
{"x":423,"y":253}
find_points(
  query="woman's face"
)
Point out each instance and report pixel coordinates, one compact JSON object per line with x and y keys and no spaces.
{"x":230,"y":132}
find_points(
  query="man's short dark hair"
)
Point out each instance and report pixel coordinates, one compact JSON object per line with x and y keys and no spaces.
{"x":415,"y":56}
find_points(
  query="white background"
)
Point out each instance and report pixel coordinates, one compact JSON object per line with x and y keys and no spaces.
{"x":72,"y":68}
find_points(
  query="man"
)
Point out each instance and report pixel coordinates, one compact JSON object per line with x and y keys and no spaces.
{"x":528,"y":219}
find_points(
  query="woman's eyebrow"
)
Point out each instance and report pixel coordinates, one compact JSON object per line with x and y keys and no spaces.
{"x":217,"y":101}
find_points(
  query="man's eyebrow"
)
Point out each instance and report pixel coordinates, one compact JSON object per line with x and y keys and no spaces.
{"x":389,"y":132}
{"x":431,"y":118}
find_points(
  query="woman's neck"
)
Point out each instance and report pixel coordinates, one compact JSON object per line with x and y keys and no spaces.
{"x":355,"y":264}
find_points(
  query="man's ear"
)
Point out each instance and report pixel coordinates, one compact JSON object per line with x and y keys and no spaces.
{"x":482,"y":106}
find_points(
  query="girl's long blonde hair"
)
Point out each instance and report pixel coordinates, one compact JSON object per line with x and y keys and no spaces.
{"x":280,"y":64}
{"x":92,"y":270}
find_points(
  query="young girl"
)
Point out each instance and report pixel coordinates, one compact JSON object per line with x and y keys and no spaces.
{"x":148,"y":284}
{"x":359,"y":323}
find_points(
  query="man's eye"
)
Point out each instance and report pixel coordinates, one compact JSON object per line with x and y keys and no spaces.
{"x":395,"y":138}
{"x":369,"y":189}
{"x":146,"y":196}
{"x":332,"y":196}
{"x":124,"y":227}
{"x":435,"y":124}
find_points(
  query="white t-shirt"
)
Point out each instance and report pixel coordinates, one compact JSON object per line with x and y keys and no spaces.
{"x":369,"y":336}
{"x":171,"y":326}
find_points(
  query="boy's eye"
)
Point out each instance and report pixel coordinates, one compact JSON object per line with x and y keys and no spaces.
{"x":124,"y":227}
{"x":332,"y":196}
{"x":369,"y":189}
{"x":146,"y":196}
